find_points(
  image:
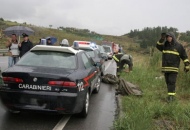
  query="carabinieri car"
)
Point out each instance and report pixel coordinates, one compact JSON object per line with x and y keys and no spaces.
{"x":52,"y":79}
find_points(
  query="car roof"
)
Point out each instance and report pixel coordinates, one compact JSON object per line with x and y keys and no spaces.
{"x":83,"y":42}
{"x":86,"y":47}
{"x":55,"y":48}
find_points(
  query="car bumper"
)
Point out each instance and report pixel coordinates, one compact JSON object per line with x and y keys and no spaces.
{"x":64,"y":103}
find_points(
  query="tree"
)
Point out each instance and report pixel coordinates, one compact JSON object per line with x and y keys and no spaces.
{"x":1,"y":19}
{"x":148,"y":36}
{"x":50,"y":26}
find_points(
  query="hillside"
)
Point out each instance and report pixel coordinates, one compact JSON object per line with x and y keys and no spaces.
{"x":60,"y":33}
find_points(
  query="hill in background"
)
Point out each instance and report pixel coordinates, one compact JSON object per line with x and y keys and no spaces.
{"x":63,"y":33}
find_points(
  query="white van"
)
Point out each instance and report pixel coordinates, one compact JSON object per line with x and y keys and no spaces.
{"x":108,"y":50}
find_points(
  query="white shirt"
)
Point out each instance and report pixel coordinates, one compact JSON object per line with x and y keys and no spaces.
{"x":14,"y":49}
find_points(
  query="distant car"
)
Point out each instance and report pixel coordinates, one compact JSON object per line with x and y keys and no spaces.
{"x":51,"y":79}
{"x":102,"y":51}
{"x":109,"y":51}
{"x":93,"y":51}
{"x":96,"y":56}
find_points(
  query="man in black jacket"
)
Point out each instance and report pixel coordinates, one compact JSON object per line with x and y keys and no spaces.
{"x":25,"y":46}
{"x":172,"y":51}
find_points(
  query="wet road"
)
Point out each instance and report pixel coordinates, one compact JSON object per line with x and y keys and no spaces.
{"x":100,"y":117}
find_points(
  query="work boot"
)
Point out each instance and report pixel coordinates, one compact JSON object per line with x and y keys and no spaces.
{"x":170,"y":98}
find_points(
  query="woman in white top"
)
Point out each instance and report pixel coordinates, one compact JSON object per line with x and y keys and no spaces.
{"x":13,"y":50}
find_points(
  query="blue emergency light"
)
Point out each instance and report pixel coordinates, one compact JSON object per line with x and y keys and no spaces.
{"x":76,"y":45}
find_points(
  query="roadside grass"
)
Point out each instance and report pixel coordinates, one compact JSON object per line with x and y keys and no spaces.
{"x":151,"y":111}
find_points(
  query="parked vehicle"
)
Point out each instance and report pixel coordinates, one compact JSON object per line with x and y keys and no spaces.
{"x":109,"y":51}
{"x":51,"y":79}
{"x":93,"y":52}
{"x":103,"y":53}
{"x":114,"y":46}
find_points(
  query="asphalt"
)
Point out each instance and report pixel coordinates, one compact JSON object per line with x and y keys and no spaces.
{"x":101,"y":112}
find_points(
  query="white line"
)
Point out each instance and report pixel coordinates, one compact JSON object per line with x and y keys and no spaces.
{"x":108,"y":65}
{"x":62,"y":123}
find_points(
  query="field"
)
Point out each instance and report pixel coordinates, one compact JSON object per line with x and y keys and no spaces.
{"x":151,"y":111}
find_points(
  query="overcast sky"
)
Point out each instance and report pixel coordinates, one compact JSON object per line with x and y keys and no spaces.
{"x":115,"y":17}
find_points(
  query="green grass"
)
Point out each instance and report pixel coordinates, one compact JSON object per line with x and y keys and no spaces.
{"x":142,"y":113}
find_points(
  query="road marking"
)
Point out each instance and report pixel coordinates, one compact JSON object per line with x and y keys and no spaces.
{"x":62,"y":123}
{"x":108,"y":65}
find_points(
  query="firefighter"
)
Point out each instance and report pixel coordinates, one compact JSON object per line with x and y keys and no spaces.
{"x":122,"y":60}
{"x":172,"y":51}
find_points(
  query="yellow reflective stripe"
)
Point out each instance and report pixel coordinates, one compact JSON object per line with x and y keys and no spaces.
{"x":159,"y":43}
{"x":186,"y":60}
{"x":171,"y":52}
{"x":172,"y":94}
{"x":175,"y":68}
{"x":169,"y":70}
{"x":187,"y":67}
{"x":115,"y":58}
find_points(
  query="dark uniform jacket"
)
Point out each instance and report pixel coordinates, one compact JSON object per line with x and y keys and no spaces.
{"x":171,"y":54}
{"x":25,"y":47}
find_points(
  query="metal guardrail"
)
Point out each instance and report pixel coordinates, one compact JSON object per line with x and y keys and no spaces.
{"x":3,"y":50}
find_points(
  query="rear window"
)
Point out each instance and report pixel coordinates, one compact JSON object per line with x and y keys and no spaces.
{"x":89,"y":52}
{"x":49,"y":59}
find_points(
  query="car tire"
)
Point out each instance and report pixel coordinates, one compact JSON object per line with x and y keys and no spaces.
{"x":102,"y":73}
{"x":13,"y":111}
{"x":85,"y":109}
{"x":98,"y":84}
{"x":103,"y":70}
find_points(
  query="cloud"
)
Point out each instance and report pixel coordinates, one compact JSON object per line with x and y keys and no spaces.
{"x":102,"y":16}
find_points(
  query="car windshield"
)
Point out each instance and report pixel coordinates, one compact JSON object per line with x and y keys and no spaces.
{"x":49,"y":59}
{"x":107,"y":49}
{"x":89,"y":52}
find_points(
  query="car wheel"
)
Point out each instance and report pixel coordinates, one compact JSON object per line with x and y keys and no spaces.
{"x":84,"y":111}
{"x":102,"y":70}
{"x":102,"y":74}
{"x":13,"y":111}
{"x":98,"y":84}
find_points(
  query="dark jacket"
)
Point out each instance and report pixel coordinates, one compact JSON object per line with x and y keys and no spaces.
{"x":25,"y":47}
{"x":171,"y":54}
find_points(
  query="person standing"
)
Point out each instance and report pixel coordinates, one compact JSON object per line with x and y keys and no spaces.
{"x":172,"y":51}
{"x":12,"y":44}
{"x":26,"y":45}
{"x":49,"y":43}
